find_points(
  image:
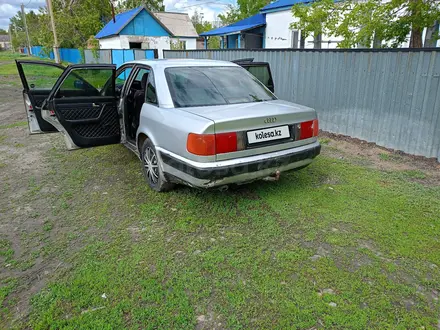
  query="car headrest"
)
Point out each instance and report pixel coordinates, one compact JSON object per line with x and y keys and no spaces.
{"x":144,"y":81}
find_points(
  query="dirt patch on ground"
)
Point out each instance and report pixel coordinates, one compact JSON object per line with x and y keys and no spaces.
{"x":11,"y":104}
{"x":25,"y":207}
{"x":371,"y":155}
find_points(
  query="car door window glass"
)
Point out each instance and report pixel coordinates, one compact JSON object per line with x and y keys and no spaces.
{"x":150,"y":94}
{"x":40,"y":76}
{"x":122,"y":76}
{"x":87,"y":82}
{"x":136,"y":84}
{"x":261,"y":73}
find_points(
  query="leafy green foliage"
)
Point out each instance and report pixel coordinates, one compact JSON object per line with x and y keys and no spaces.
{"x":204,"y":26}
{"x":243,"y":9}
{"x":153,"y":5}
{"x":77,"y":22}
{"x":363,"y":23}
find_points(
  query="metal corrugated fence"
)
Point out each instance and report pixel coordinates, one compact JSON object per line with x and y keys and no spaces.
{"x":390,"y":97}
{"x":117,"y":56}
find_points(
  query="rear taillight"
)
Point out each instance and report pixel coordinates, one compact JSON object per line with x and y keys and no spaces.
{"x":225,"y":142}
{"x":308,"y":129}
{"x":315,"y":127}
{"x":201,"y":144}
{"x":212,"y":144}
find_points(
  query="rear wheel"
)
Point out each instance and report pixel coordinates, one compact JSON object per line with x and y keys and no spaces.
{"x":152,"y":169}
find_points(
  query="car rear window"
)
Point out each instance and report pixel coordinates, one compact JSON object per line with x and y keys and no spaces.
{"x":204,"y":86}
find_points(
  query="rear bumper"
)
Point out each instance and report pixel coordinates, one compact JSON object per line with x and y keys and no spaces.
{"x":235,"y":171}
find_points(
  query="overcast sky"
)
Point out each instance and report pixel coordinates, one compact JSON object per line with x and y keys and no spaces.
{"x":209,"y":8}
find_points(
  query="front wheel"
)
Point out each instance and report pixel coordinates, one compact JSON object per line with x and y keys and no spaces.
{"x":152,"y":169}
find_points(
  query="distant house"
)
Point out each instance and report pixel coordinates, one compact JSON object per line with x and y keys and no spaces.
{"x":5,"y":42}
{"x":140,"y":28}
{"x":270,"y":28}
{"x":247,"y":33}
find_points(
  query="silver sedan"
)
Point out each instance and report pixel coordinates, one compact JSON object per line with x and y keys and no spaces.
{"x":203,"y":123}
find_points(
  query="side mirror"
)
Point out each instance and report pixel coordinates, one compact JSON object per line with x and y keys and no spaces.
{"x":78,"y":84}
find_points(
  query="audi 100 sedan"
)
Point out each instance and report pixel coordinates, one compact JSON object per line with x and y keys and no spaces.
{"x":203,"y":123}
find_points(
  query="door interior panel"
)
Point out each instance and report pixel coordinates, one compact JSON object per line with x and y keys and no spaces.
{"x":90,"y":121}
{"x":37,"y":97}
{"x":40,"y":73}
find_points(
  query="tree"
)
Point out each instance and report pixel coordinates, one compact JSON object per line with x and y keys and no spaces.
{"x":153,"y":5}
{"x":76,"y":21}
{"x":199,"y":24}
{"x":243,"y":9}
{"x":204,"y":26}
{"x":3,"y":32}
{"x":368,"y":22}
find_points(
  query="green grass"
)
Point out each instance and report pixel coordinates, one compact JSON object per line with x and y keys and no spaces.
{"x":6,"y":287}
{"x":334,"y":245}
{"x":17,"y":124}
{"x":10,"y":56}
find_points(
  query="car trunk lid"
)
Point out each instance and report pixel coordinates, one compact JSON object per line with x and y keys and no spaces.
{"x":265,"y":126}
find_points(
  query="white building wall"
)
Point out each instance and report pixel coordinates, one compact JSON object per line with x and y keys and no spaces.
{"x":191,"y":43}
{"x":159,"y":43}
{"x":279,"y":33}
{"x":278,"y":30}
{"x":110,"y":43}
{"x":123,"y":42}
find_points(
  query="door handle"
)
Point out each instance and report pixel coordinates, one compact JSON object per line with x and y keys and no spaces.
{"x":95,"y":105}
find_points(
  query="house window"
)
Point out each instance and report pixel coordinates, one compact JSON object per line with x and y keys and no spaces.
{"x":135,"y":45}
{"x":295,"y":37}
{"x":178,"y":45}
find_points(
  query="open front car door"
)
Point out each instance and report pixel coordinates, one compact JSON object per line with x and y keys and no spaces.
{"x":38,"y":79}
{"x":82,"y":106}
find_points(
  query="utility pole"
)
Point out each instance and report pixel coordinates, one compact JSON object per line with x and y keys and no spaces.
{"x":55,"y":39}
{"x":26,"y":30}
{"x":10,"y":37}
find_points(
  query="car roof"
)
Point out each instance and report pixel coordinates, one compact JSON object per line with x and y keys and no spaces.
{"x":167,"y":63}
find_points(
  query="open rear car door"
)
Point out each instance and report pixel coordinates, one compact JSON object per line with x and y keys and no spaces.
{"x":82,"y":106}
{"x":38,"y":79}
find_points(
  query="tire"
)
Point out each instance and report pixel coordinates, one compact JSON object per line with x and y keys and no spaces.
{"x":152,"y":170}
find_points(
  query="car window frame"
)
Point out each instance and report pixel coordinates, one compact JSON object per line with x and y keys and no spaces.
{"x":57,"y":87}
{"x":151,"y":78}
{"x":123,"y":67}
{"x":135,"y":72}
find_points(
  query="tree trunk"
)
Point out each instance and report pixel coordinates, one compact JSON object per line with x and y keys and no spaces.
{"x":416,"y":31}
{"x":416,"y":38}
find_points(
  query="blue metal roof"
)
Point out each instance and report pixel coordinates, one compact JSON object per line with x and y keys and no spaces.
{"x":245,"y":24}
{"x":282,"y":3}
{"x":122,"y":19}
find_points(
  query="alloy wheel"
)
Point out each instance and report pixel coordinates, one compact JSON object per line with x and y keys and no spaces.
{"x":151,"y":166}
